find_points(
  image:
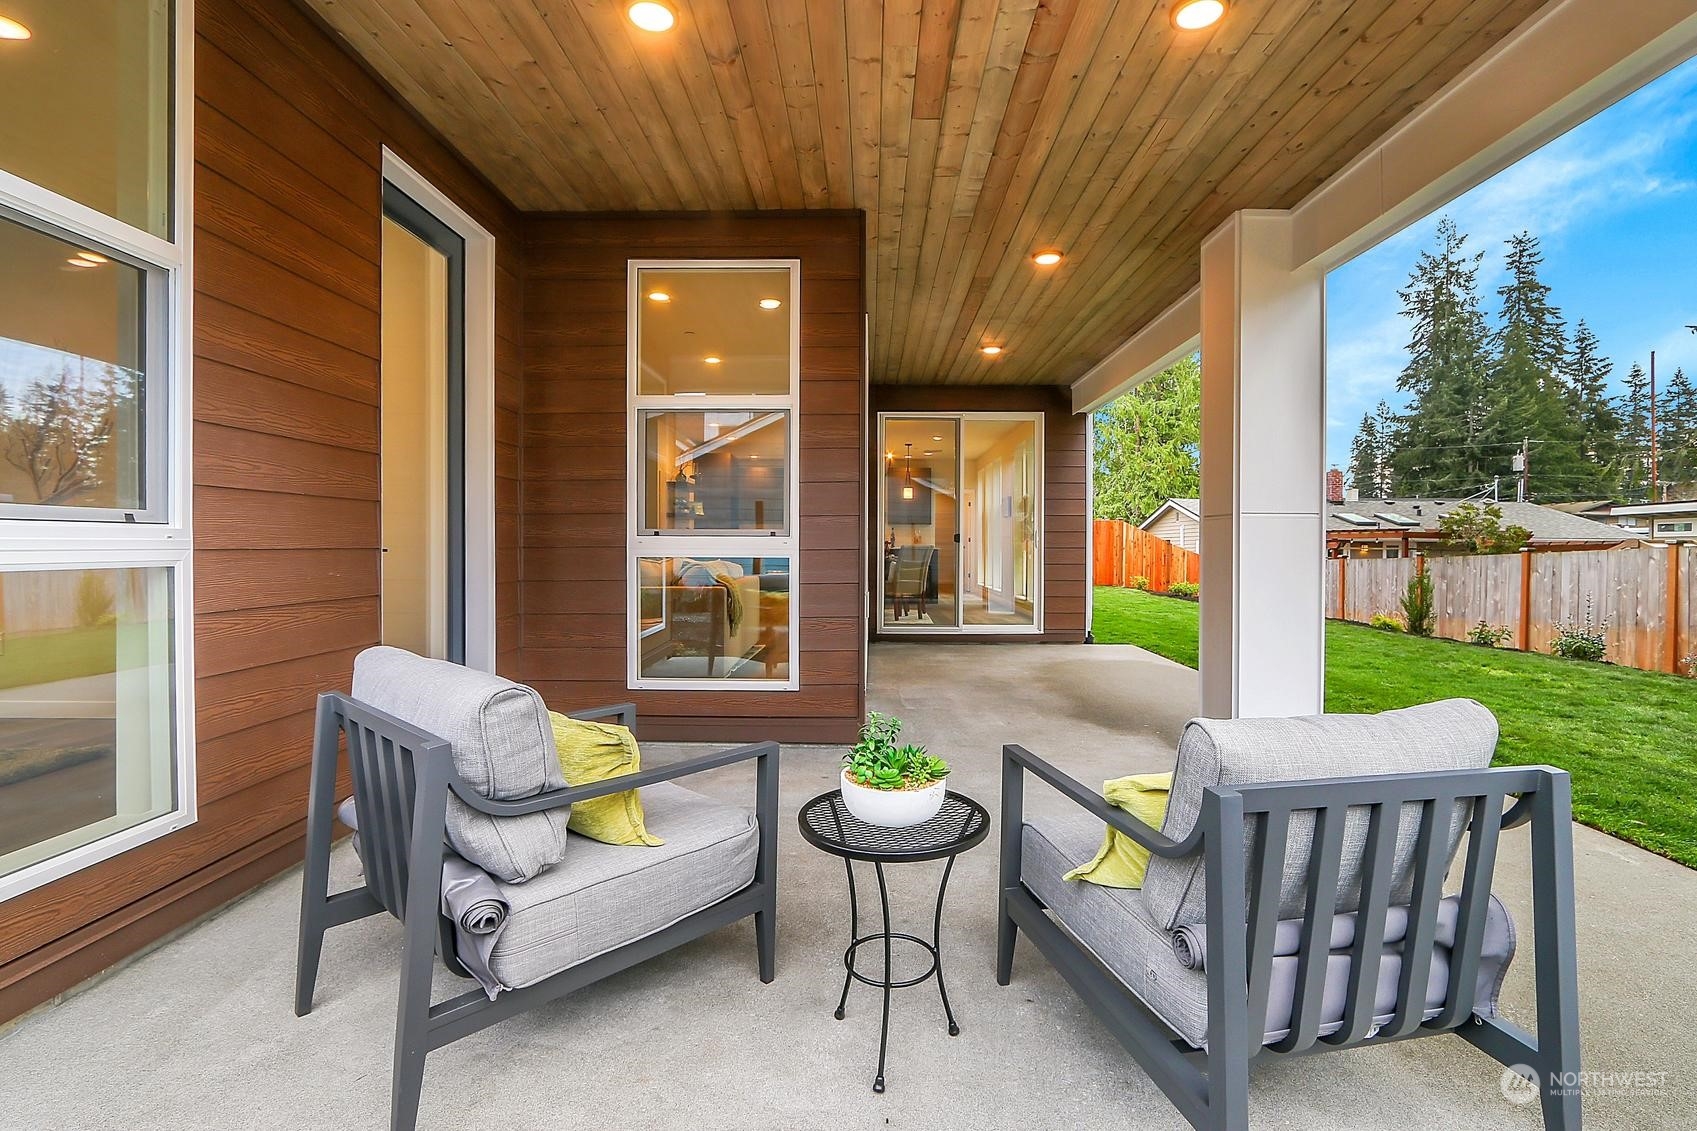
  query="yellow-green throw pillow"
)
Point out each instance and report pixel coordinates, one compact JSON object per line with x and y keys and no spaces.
{"x":1122,"y":861}
{"x":593,"y":752}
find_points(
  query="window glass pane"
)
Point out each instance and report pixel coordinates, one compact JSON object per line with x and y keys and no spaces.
{"x":95,"y":77}
{"x":713,"y":331}
{"x":714,"y":618}
{"x":714,"y":471}
{"x":71,"y":374}
{"x":922,"y":532}
{"x":85,"y":707}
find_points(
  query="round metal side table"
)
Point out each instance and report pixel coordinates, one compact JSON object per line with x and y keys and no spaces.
{"x":961,"y":824}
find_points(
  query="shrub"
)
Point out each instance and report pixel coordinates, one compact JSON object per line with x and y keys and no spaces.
{"x":1139,"y":582}
{"x":94,"y":601}
{"x":877,"y":762}
{"x":1389,"y":622}
{"x":1418,"y":612}
{"x":1586,"y":639}
{"x":1488,"y":635}
{"x":1186,"y":589}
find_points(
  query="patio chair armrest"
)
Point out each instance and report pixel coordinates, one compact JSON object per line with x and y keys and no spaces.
{"x":559,"y":798}
{"x":1015,"y":756}
{"x":624,"y":712}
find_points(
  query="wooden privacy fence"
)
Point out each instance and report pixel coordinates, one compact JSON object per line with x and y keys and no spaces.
{"x":1124,"y":551}
{"x":1647,"y":596}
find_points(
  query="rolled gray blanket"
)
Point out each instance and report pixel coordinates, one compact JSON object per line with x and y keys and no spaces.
{"x":471,"y":901}
{"x":1190,"y":940}
{"x":478,"y":911}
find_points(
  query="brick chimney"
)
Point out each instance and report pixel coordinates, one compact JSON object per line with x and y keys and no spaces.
{"x":1334,"y":486}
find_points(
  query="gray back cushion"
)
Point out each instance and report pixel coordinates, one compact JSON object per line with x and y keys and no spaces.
{"x":503,"y":748}
{"x":1456,"y":734}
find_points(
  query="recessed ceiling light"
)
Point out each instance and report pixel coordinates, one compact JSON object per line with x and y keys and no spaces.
{"x":770,"y":304}
{"x":92,"y":257}
{"x":929,"y":452}
{"x":652,"y":15}
{"x":84,"y":263}
{"x":936,"y":438}
{"x":12,"y":29}
{"x":989,"y":351}
{"x":711,"y":360}
{"x":659,"y":296}
{"x":1047,"y":258}
{"x":1194,"y":15}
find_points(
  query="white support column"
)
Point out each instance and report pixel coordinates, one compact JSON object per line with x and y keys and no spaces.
{"x":1263,"y":455}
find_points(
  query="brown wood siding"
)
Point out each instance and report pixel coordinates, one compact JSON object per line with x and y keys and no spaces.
{"x":1066,"y":479}
{"x":574,"y":566}
{"x":288,"y":137}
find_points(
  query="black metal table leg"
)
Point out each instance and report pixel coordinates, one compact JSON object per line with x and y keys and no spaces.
{"x":937,"y":946}
{"x":884,"y":1029}
{"x":854,"y":937}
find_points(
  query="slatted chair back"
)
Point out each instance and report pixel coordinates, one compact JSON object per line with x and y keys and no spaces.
{"x":1253,"y":825}
{"x":387,"y":759}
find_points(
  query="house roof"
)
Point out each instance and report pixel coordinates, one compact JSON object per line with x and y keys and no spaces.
{"x":972,"y":136}
{"x":1666,"y":506}
{"x":1190,"y":508}
{"x":1419,"y":517}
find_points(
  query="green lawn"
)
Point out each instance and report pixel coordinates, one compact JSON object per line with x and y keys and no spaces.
{"x":46,"y":657}
{"x":1626,"y":736}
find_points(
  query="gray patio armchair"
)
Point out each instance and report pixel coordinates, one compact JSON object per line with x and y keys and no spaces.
{"x":467,"y":771}
{"x":1294,"y":902}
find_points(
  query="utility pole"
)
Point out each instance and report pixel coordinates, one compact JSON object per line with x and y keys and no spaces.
{"x":1523,"y":467}
{"x":1653,"y":446}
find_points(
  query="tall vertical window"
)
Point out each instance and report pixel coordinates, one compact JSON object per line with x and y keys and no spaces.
{"x":714,"y":375}
{"x":95,"y":708}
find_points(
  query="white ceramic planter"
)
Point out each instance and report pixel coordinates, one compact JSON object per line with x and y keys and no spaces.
{"x":893,"y":808}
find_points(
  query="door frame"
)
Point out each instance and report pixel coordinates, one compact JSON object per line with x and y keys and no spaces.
{"x":475,"y":540}
{"x":961,"y":419}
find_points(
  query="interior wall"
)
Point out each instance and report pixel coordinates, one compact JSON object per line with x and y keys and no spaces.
{"x":574,"y":558}
{"x":1066,"y":481}
{"x":288,"y":136}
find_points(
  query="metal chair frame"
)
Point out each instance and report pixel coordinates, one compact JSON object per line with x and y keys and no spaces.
{"x":401,"y":780}
{"x":1211,"y":1088}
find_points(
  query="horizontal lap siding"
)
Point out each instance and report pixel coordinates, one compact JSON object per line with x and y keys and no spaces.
{"x":288,"y":137}
{"x":574,"y":558}
{"x":1066,"y":484}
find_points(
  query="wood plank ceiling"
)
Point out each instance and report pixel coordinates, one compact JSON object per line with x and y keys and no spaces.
{"x":972,"y":132}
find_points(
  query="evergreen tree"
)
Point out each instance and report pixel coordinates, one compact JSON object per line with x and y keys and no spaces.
{"x":1441,"y":448}
{"x":1148,"y":444}
{"x":1526,"y":398}
{"x":1598,"y":421}
{"x":1633,"y":407}
{"x":1371,"y":451}
{"x":1676,"y":428}
{"x":1365,"y":454}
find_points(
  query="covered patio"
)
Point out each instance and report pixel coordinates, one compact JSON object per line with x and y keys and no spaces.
{"x":692,"y":1039}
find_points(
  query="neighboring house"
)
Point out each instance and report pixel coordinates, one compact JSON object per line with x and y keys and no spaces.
{"x":1179,"y":521}
{"x":1392,"y":528}
{"x":1671,"y":520}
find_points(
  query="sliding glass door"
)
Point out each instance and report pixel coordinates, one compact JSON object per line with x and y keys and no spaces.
{"x":960,"y":513}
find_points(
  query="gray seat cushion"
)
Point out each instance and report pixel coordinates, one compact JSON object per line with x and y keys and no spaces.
{"x":1117,"y":926}
{"x":503,"y":747}
{"x":603,"y":895}
{"x":1456,"y":734}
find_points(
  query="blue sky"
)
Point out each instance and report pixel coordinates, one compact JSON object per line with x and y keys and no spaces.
{"x":1614,"y":202}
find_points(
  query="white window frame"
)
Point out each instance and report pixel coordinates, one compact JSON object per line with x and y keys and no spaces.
{"x":731,"y":544}
{"x":68,"y":539}
{"x":1040,"y":467}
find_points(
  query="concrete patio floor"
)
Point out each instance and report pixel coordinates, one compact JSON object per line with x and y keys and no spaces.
{"x":199,"y":1033}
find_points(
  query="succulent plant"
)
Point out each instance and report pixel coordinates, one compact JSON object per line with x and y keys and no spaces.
{"x":878,"y":761}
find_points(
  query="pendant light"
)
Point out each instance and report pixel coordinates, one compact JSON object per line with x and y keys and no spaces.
{"x":907,"y":479}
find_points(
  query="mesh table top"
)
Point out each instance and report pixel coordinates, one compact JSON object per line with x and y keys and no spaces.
{"x":827,"y":824}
